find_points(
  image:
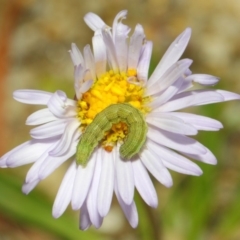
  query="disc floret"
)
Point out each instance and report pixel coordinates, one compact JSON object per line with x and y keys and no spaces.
{"x":111,"y":88}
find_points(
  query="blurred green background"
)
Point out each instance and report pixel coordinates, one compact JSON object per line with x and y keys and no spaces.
{"x":35,"y":37}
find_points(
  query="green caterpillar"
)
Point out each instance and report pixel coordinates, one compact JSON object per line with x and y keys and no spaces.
{"x":115,"y":113}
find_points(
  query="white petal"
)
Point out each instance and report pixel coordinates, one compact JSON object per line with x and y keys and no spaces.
{"x":155,"y":166}
{"x":124,"y":179}
{"x":111,"y":51}
{"x":176,"y":141}
{"x":199,"y":122}
{"x":169,"y":77}
{"x":144,"y":184}
{"x":64,"y":194}
{"x":94,"y":21}
{"x":135,"y":45}
{"x":170,"y":123}
{"x":76,"y":55}
{"x":106,"y":183}
{"x":130,"y":210}
{"x":100,"y":55}
{"x":32,"y":96}
{"x":40,"y":117}
{"x":174,"y":161}
{"x":203,"y":79}
{"x":171,"y":56}
{"x":28,"y":187}
{"x":84,"y":220}
{"x":144,"y":62}
{"x":191,"y":99}
{"x":49,"y":130}
{"x":71,"y":132}
{"x":27,"y":153}
{"x":82,"y":182}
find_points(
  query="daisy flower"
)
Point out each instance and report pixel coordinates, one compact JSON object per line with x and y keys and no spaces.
{"x":115,"y":72}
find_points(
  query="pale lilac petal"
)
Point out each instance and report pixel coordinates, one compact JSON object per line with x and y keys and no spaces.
{"x":186,"y":85}
{"x":3,"y":159}
{"x":49,"y":130}
{"x":82,"y":182}
{"x":40,"y":117}
{"x":130,"y":211}
{"x":199,"y":122}
{"x":86,"y":86}
{"x":111,"y":51}
{"x":28,"y":153}
{"x":3,"y":163}
{"x":171,"y":56}
{"x":106,"y":183}
{"x":176,"y":141}
{"x":119,"y":17}
{"x":167,"y":94}
{"x":71,"y":132}
{"x":28,"y":96}
{"x":174,"y":161}
{"x":171,"y":123}
{"x":187,"y":73}
{"x":94,"y":21}
{"x":124,"y":178}
{"x":79,"y":72}
{"x":169,"y":77}
{"x":155,"y":166}
{"x":121,"y":46}
{"x":203,"y":79}
{"x":64,"y":194}
{"x":82,"y":88}
{"x":71,"y":103}
{"x":59,"y":105}
{"x":100,"y":55}
{"x":135,"y":45}
{"x":190,"y":99}
{"x":94,"y":215}
{"x":208,"y":157}
{"x":28,"y":187}
{"x":120,"y":36}
{"x":90,"y":62}
{"x":228,"y":96}
{"x":144,"y":184}
{"x":84,"y":220}
{"x":52,"y":163}
{"x":144,"y":62}
{"x":33,"y":171}
{"x":76,"y":56}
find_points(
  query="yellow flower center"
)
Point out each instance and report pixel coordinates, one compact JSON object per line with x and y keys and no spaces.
{"x":111,"y":88}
